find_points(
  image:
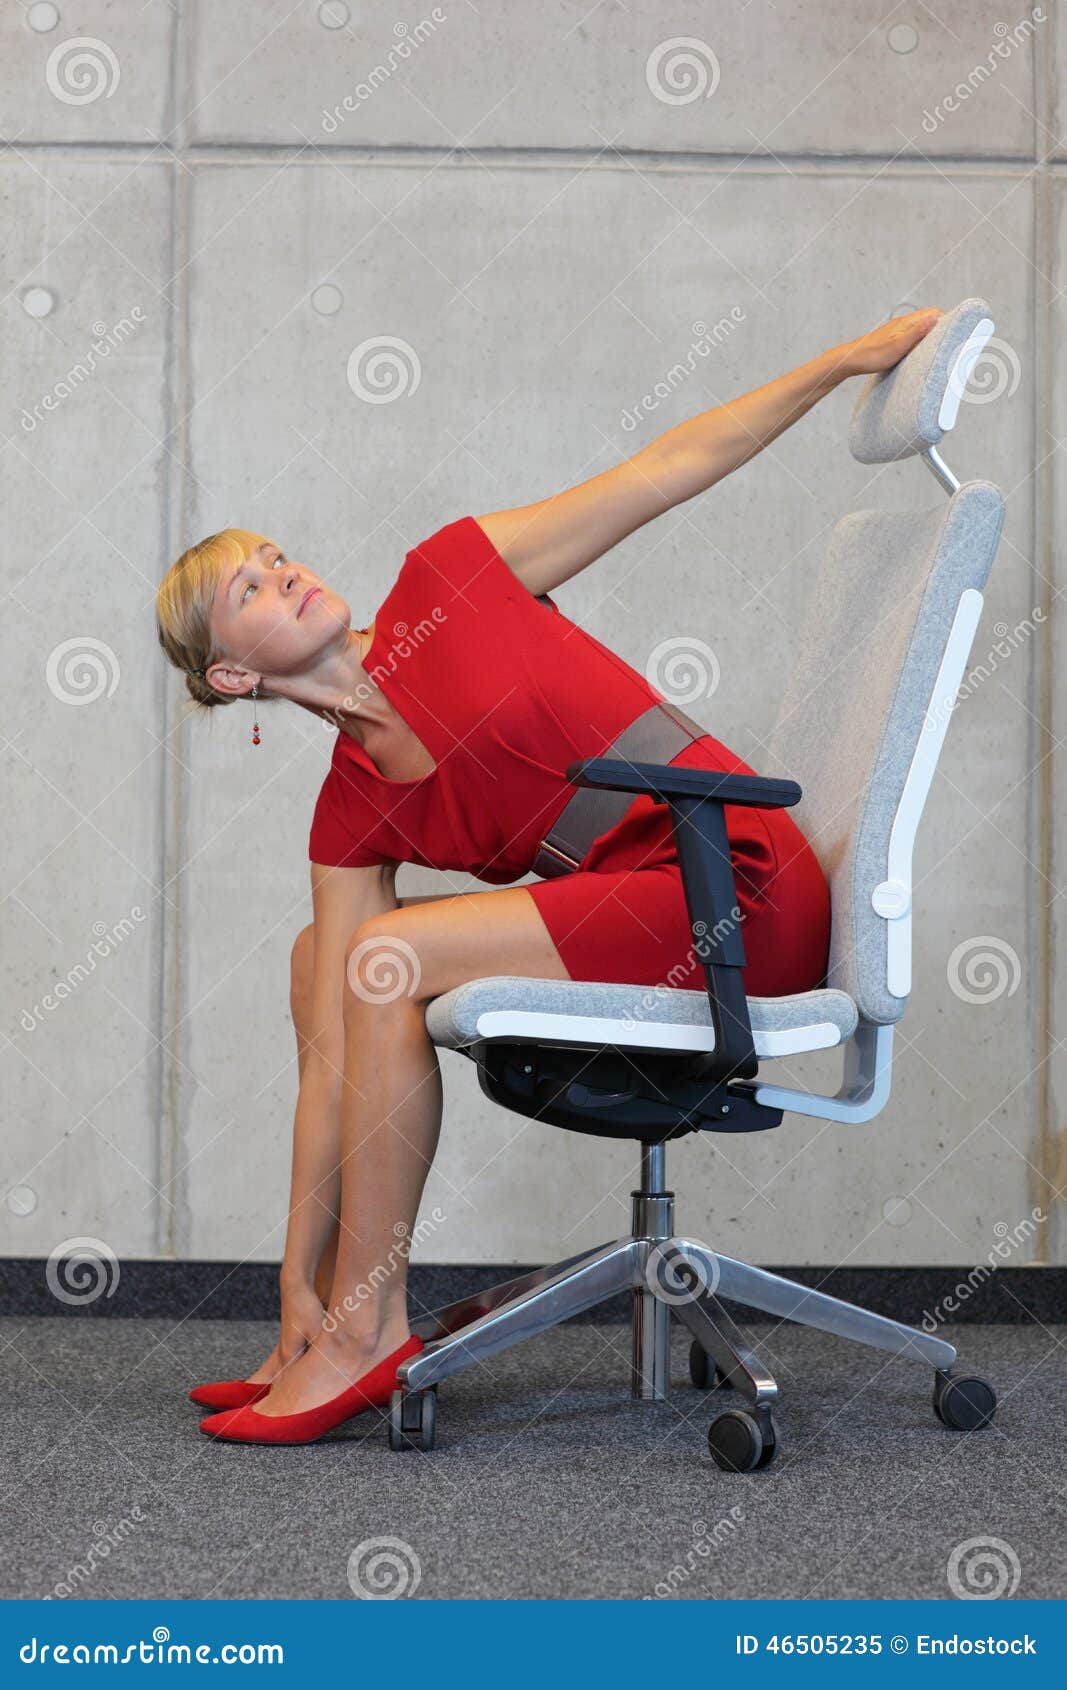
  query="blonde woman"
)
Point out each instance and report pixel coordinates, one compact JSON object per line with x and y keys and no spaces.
{"x":457,"y":711}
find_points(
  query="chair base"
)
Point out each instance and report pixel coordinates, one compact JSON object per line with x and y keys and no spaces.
{"x":665,"y":1275}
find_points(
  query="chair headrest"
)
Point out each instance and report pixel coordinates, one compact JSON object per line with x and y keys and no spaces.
{"x":910,"y":407}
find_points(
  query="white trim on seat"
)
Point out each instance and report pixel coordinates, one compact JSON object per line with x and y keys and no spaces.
{"x":645,"y":1035}
{"x":526,"y":1009}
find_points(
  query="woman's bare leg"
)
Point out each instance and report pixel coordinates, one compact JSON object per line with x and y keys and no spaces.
{"x":391,"y":1119}
{"x":301,"y":1314}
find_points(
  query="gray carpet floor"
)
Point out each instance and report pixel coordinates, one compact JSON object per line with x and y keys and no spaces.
{"x":547,"y":1479}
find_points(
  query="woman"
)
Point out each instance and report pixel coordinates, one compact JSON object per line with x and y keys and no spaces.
{"x":458,"y":711}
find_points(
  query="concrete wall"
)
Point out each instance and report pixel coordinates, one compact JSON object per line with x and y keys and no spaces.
{"x":551,"y":209}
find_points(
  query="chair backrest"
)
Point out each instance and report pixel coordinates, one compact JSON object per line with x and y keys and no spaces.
{"x":881,"y":653}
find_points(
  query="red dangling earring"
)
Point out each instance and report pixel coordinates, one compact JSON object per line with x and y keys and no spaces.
{"x":255,"y":724}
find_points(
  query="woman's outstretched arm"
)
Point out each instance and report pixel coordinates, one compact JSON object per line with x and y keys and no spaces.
{"x":548,"y":542}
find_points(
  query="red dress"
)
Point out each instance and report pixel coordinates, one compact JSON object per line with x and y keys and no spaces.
{"x":504,"y":691}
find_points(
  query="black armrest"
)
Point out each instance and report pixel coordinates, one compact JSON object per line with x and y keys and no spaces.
{"x":696,"y":798}
{"x":666,"y":782}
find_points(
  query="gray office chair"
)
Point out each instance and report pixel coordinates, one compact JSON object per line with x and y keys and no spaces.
{"x":879,"y":663}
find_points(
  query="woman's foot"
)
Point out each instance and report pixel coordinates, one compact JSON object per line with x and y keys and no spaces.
{"x":373,"y":1389}
{"x":327,"y":1366}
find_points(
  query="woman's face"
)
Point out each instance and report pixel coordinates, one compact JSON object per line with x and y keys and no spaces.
{"x":274,"y":616}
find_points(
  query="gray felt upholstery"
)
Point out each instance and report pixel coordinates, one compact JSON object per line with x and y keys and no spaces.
{"x":867,"y":656}
{"x":454,"y":1018}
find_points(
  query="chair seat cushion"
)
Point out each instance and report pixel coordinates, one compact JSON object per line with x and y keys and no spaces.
{"x":579,"y":1012}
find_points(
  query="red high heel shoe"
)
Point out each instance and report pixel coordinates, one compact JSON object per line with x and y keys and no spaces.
{"x":228,"y":1393}
{"x":245,"y":1426}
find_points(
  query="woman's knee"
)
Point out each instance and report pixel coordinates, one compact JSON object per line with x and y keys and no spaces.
{"x":381,"y":965}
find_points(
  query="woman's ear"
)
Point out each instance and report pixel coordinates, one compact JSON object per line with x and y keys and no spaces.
{"x":233,"y":683}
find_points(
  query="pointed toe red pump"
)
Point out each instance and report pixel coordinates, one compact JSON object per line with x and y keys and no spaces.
{"x":228,"y":1393}
{"x":373,"y":1390}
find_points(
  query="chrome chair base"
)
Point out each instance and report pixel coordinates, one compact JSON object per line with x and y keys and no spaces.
{"x":665,"y":1275}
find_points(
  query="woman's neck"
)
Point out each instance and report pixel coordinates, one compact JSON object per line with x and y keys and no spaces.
{"x":340,"y":691}
{"x":361,"y":703}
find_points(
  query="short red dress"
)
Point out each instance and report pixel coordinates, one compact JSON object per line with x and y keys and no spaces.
{"x":504,"y":691}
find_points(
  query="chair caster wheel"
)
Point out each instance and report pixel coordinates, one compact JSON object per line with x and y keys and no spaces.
{"x":963,"y":1401}
{"x":703,"y":1370}
{"x":413,"y":1419}
{"x":742,"y":1439}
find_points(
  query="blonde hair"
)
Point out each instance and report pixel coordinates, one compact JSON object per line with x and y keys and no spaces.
{"x":183,"y":607}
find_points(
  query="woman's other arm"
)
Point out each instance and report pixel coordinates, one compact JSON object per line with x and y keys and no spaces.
{"x":342,"y":898}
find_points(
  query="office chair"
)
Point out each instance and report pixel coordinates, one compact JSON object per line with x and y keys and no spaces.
{"x":880,"y":659}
